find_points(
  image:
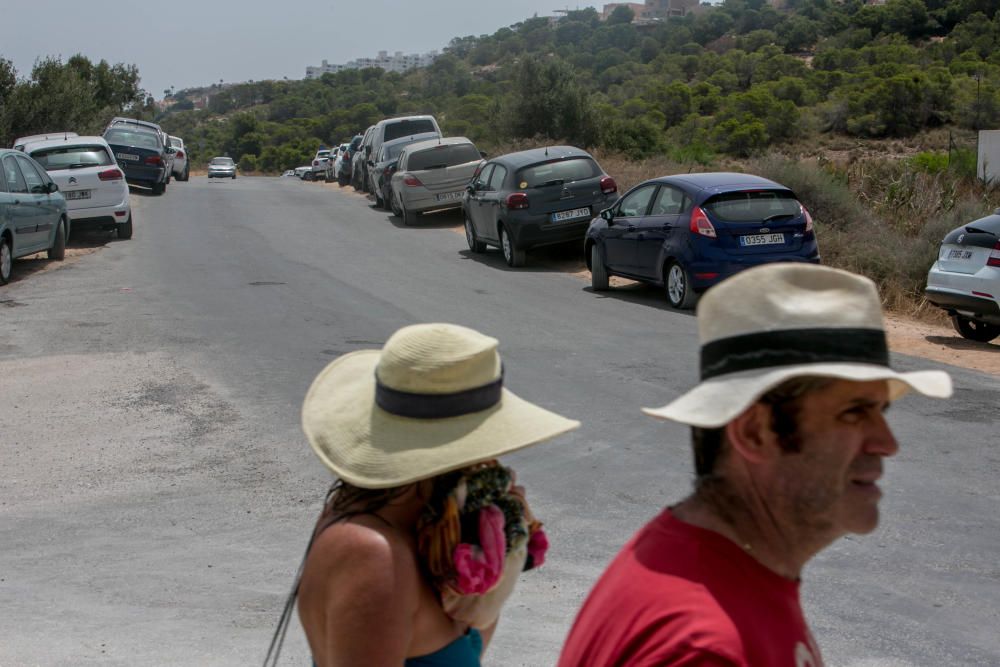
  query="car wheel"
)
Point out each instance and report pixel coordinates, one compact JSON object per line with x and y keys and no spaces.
{"x":678,"y":285}
{"x":380,"y":203}
{"x":158,"y":188}
{"x":6,"y":260}
{"x":982,"y":332}
{"x":397,"y":209}
{"x":513,"y":255}
{"x":409,"y":217}
{"x":475,"y":245}
{"x":234,"y":177}
{"x":598,"y":272}
{"x":186,"y":175}
{"x":341,"y":180}
{"x":58,"y":249}
{"x":125,"y":229}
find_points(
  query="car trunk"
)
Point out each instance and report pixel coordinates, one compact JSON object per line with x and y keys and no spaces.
{"x":76,"y":170}
{"x":967,"y":249}
{"x":562,"y":185}
{"x":757,"y":222}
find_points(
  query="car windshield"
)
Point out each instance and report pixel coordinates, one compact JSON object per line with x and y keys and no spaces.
{"x":753,"y":206}
{"x":442,"y":156}
{"x":558,"y":172}
{"x":132,"y":138}
{"x":72,"y":157}
{"x":322,"y":153}
{"x":402,"y":128}
{"x":222,"y":161}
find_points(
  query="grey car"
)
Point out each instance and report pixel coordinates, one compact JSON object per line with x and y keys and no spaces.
{"x":532,"y":198}
{"x":380,"y":169}
{"x":33,"y":214}
{"x":222,"y":167}
{"x":432,"y":175}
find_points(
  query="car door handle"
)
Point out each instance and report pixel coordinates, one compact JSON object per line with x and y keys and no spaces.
{"x":630,"y":228}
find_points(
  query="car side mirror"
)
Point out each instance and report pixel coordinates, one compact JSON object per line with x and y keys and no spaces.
{"x":483,"y":154}
{"x":470,"y":188}
{"x":609,"y":215}
{"x":52,"y":188}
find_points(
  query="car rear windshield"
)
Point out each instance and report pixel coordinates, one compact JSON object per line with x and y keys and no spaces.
{"x":439,"y":157}
{"x":558,"y":172}
{"x":753,"y":206}
{"x":72,"y":157}
{"x":130,"y":138}
{"x":405,"y":128}
{"x":223,"y":161}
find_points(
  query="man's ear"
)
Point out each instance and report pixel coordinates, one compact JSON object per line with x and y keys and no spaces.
{"x":750,"y":435}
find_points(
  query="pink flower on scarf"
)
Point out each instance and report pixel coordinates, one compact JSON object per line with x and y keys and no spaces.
{"x":538,"y":545}
{"x":479,"y":567}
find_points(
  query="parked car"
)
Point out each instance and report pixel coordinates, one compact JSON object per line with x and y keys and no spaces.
{"x":690,"y":231}
{"x":359,"y":162}
{"x":318,"y":165}
{"x":380,"y":169}
{"x":180,"y":168}
{"x":142,"y":155}
{"x":532,"y":198}
{"x":397,"y":127}
{"x":302,"y":171}
{"x":90,"y":180}
{"x":222,"y":167}
{"x":346,"y":158}
{"x":20,"y":142}
{"x":432,"y":175}
{"x":965,"y":279}
{"x":32,"y":212}
{"x":333,"y":166}
{"x":149,"y":126}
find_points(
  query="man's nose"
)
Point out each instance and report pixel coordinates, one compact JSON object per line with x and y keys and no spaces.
{"x":880,"y":439}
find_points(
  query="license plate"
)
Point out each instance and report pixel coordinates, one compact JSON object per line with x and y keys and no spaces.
{"x":762,"y":239}
{"x":448,"y":196}
{"x":127,"y":156}
{"x":77,"y":194}
{"x":562,"y":216}
{"x":960,"y":254}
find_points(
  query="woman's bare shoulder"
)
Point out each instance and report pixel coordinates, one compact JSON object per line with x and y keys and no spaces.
{"x":361,"y":550}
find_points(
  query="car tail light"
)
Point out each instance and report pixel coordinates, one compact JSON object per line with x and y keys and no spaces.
{"x":994,"y":259}
{"x":154,"y":159}
{"x":517,"y":200}
{"x":700,"y":223}
{"x":608,"y":185}
{"x":315,"y":162}
{"x":809,"y":218}
{"x":180,"y":154}
{"x":411,"y":181}
{"x":110,"y":175}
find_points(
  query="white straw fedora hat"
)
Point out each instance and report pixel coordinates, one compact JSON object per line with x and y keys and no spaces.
{"x":430,"y":401}
{"x":774,"y":322}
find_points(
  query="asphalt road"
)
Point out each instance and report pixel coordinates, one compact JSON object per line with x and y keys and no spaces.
{"x":157,"y":492}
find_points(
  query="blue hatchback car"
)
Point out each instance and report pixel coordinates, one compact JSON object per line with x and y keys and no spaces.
{"x":690,"y":231}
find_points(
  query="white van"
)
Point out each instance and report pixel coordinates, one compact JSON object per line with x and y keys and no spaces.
{"x":394,"y":128}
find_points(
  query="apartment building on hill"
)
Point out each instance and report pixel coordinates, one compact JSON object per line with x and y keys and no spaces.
{"x":398,"y":62}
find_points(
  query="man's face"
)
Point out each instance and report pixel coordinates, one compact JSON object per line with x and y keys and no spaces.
{"x":829,"y":486}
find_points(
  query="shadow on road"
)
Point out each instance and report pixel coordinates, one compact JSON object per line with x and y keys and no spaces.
{"x":959,"y":343}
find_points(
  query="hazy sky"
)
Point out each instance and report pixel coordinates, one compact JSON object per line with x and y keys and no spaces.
{"x":197,"y":42}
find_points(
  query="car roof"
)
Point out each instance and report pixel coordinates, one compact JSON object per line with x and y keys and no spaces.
{"x":720,"y":181}
{"x":396,"y":119}
{"x":119,"y":120}
{"x":536,"y":155}
{"x":68,"y":141}
{"x":410,"y":139}
{"x":20,"y":141}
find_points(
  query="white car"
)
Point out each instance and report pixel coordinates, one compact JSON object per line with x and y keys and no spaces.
{"x":181,"y":168}
{"x":302,"y":172}
{"x":333,"y":167}
{"x":965,"y":279}
{"x":88,"y":176}
{"x":318,"y":168}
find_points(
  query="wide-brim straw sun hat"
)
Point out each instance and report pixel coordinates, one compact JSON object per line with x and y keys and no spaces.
{"x":775,"y":322}
{"x":430,"y":401}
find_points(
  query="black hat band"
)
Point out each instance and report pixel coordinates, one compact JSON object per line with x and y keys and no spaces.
{"x":438,"y":406}
{"x":771,"y":349}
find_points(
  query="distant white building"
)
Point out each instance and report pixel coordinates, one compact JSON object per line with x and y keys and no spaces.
{"x":397,"y":62}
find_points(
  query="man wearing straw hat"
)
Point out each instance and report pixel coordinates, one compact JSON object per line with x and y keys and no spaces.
{"x":789,"y":439}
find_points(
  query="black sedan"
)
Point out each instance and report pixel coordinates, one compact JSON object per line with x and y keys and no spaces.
{"x":533,"y":198}
{"x":690,"y":231}
{"x":141,"y":154}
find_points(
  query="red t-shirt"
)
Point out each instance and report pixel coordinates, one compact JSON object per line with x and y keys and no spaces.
{"x":682,"y":595}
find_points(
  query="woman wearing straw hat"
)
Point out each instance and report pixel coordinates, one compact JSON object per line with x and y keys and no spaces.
{"x":424,"y":534}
